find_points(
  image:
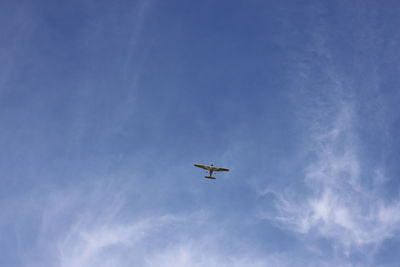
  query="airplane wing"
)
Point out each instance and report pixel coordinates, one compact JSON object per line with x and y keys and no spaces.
{"x":201,"y":166}
{"x":221,"y":170}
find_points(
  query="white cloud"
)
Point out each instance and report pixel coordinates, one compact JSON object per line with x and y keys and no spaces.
{"x":339,"y":205}
{"x":161,"y":241}
{"x":89,"y":229}
{"x":106,"y":244}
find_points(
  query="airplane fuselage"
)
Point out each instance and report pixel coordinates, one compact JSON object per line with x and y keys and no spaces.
{"x":211,"y":170}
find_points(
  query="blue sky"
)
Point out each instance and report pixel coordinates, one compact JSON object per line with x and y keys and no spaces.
{"x":105,"y":106}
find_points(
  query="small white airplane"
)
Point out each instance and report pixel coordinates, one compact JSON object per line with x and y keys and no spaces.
{"x":211,"y":169}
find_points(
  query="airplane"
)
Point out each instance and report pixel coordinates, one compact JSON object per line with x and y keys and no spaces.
{"x":211,"y":169}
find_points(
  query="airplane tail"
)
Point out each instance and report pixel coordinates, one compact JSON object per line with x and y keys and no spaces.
{"x":209,"y":177}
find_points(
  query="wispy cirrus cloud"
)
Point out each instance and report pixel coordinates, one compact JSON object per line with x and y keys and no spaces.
{"x":340,"y":205}
{"x":340,"y":192}
{"x":81,"y":228}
